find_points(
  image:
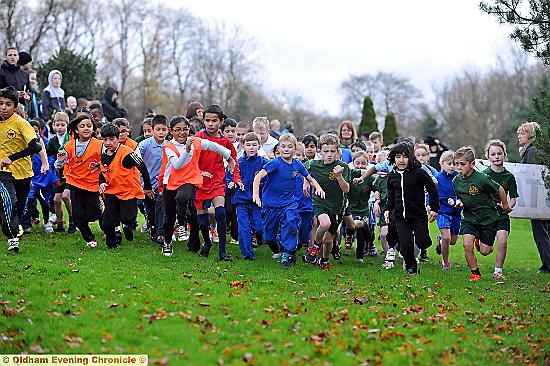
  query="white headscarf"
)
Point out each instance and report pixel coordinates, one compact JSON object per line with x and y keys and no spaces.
{"x":55,"y":91}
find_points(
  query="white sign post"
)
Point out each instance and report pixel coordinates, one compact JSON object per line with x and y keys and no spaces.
{"x":533,"y":200}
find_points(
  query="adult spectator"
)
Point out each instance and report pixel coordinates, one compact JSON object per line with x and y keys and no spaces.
{"x":109,"y":103}
{"x":25,"y":61}
{"x":35,"y":99}
{"x":12,"y":75}
{"x":541,"y":228}
{"x":436,"y":149}
{"x":53,"y":97}
{"x":347,"y":134}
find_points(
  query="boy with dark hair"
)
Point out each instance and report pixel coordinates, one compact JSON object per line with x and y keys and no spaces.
{"x":19,"y":142}
{"x":278,"y":202}
{"x":212,"y":191}
{"x":151,"y":153}
{"x":125,"y":132}
{"x":120,"y":185}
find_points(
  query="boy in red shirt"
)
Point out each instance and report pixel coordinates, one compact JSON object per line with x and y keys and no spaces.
{"x":212,"y":191}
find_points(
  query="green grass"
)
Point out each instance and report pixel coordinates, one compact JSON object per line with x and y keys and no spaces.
{"x":188,"y":310}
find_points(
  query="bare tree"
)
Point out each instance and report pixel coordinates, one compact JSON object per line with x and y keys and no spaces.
{"x":389,"y":93}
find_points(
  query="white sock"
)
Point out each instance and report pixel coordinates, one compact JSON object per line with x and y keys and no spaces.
{"x":498,"y":270}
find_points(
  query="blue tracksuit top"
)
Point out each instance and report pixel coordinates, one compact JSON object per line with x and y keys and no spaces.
{"x":280,"y":185}
{"x":248,"y":167}
{"x":446,"y":191}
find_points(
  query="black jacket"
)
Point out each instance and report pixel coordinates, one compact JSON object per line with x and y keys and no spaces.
{"x":13,"y":75}
{"x":111,"y":110}
{"x":406,"y":197}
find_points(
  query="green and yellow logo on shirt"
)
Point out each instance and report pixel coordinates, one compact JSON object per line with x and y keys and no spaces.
{"x":473,"y":190}
{"x":11,"y":134}
{"x":331,"y":176}
{"x":294,"y":173}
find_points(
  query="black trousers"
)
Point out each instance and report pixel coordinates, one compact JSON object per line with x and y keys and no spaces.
{"x":117,"y":211}
{"x":8,"y":206}
{"x":173,"y":198}
{"x":541,"y":235}
{"x":155,"y":215}
{"x":411,"y":232}
{"x":22,"y":188}
{"x":86,"y":209}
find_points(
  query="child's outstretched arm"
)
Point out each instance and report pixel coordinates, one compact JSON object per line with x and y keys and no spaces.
{"x":223,"y":151}
{"x":366,"y":173}
{"x":256,"y":186}
{"x":318,"y":190}
{"x":43,"y":158}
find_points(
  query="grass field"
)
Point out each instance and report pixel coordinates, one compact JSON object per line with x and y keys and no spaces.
{"x":57,"y":298}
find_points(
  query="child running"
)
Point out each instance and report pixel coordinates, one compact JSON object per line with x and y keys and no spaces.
{"x":212,"y":191}
{"x":278,"y":201}
{"x":120,"y":185}
{"x":406,"y":199}
{"x":476,"y":192}
{"x":495,"y":151}
{"x":333,"y":176}
{"x":180,"y":175}
{"x":448,"y":220}
{"x":19,"y":142}
{"x":81,"y":156}
{"x":249,"y":215}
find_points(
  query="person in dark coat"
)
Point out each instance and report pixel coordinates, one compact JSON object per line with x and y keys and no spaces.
{"x":111,"y":109}
{"x":12,"y":75}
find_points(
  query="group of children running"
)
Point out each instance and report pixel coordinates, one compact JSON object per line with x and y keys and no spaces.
{"x":214,"y":177}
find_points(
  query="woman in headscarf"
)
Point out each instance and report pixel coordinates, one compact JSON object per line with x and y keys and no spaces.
{"x":53,"y":97}
{"x":527,"y":133}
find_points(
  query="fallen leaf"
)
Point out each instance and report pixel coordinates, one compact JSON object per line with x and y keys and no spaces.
{"x":204,"y":304}
{"x":361,"y":300}
{"x":459,"y":330}
{"x":113,"y":305}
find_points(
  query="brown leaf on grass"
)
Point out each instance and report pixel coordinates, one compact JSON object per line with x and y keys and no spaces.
{"x":237,"y":284}
{"x":265,"y":323}
{"x":106,"y":337}
{"x":318,"y":339}
{"x":37,"y":349}
{"x":459,"y":330}
{"x":481,"y":298}
{"x":269,"y":309}
{"x":199,"y":294}
{"x":73,"y":341}
{"x":161,"y":362}
{"x":361,"y":300}
{"x":113,"y":305}
{"x":204,"y":304}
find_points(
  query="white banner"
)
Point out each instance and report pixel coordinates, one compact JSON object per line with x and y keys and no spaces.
{"x":533,"y":200}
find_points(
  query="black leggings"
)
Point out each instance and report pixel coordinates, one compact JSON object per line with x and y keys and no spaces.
{"x":173,"y":198}
{"x":412,"y":232}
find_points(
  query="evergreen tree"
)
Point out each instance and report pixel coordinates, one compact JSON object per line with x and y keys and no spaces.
{"x":78,"y":73}
{"x":390,"y":128}
{"x":430,"y":127}
{"x":368,"y":118}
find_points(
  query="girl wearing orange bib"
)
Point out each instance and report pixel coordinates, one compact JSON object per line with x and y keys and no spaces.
{"x":81,"y":156}
{"x":180,"y":174}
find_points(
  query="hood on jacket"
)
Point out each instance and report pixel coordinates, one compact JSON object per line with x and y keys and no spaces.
{"x":108,"y":96}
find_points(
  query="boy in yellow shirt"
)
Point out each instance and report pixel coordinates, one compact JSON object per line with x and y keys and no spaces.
{"x":19,"y":142}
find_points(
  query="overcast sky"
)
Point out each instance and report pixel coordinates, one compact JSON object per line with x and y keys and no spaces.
{"x":309,"y":47}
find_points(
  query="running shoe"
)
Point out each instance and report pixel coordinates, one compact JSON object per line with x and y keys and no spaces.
{"x":311,"y":254}
{"x":475,"y":277}
{"x":91,"y":244}
{"x":324,"y":266}
{"x":438,"y":246}
{"x":285,"y":260}
{"x":128,"y":232}
{"x":167,"y":250}
{"x":424,"y":256}
{"x":214,"y":236}
{"x":48,"y":227}
{"x":13,"y":245}
{"x":446,"y":266}
{"x":498,"y":276}
{"x":372,"y":251}
{"x":181,"y":233}
{"x":144,"y":228}
{"x":348,"y":241}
